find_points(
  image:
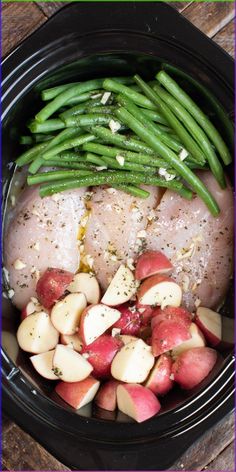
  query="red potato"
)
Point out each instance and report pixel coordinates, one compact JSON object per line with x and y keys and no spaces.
{"x":133,"y":362}
{"x":121,"y":288}
{"x":159,"y":381}
{"x":100,"y":354}
{"x":78,"y":394}
{"x":210,"y":323}
{"x":146,"y":312}
{"x":172,"y":313}
{"x":160,"y":290}
{"x":194,"y":365}
{"x":88,"y":285}
{"x":106,"y":396}
{"x":197,"y":340}
{"x":43,"y":364}
{"x":137,"y":401}
{"x":130,"y":320}
{"x":32,"y":306}
{"x":168,"y":334}
{"x":72,"y":340}
{"x":95,"y":320}
{"x":69,"y":365}
{"x":37,"y":334}
{"x":151,"y":263}
{"x":66,"y":313}
{"x":52,"y":285}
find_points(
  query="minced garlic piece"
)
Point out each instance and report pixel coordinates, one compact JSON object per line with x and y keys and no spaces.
{"x":114,"y":126}
{"x":18,"y":264}
{"x":120,"y":160}
{"x":105,"y":98}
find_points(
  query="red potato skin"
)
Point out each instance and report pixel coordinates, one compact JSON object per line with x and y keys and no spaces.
{"x":210,"y":337}
{"x":146,"y":312}
{"x":146,"y":403}
{"x":168,"y":334}
{"x":106,"y":396}
{"x":147,"y":284}
{"x":74,"y":392}
{"x":194,"y":365}
{"x":172,"y":313}
{"x":130,"y":321}
{"x":150,"y":263}
{"x":52,"y":285}
{"x":159,"y":381}
{"x":23,"y":314}
{"x":101,"y":353}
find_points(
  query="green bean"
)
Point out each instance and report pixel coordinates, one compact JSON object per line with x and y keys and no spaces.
{"x":50,"y":93}
{"x":30,"y":154}
{"x":132,"y":190}
{"x":42,"y":138}
{"x":92,"y":119}
{"x":155,"y":116}
{"x":69,"y":156}
{"x":167,"y":154}
{"x":188,"y":142}
{"x":58,"y":175}
{"x":136,"y":97}
{"x":137,"y":113}
{"x":196,"y":132}
{"x":120,"y":140}
{"x":114,"y":164}
{"x":109,"y":178}
{"x":26,"y":140}
{"x":68,"y":144}
{"x":66,"y":164}
{"x":36,"y":164}
{"x":80,"y":109}
{"x":47,"y":126}
{"x":108,"y":110}
{"x":64,"y":96}
{"x":84,"y":97}
{"x":128,"y":155}
{"x":197,"y":113}
{"x":96,"y":160}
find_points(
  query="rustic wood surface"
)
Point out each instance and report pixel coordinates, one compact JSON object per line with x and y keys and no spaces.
{"x":215,"y":450}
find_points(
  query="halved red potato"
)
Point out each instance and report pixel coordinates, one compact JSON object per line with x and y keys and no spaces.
{"x":95,"y":320}
{"x":137,"y":401}
{"x":106,"y":396}
{"x":88,"y":285}
{"x":32,"y":306}
{"x":159,"y":381}
{"x":69,"y":365}
{"x":66,"y":313}
{"x":52,"y":285}
{"x":130,"y":320}
{"x":72,"y":340}
{"x":100,"y":354}
{"x":43,"y":364}
{"x":168,"y":334}
{"x":194,"y":365}
{"x":159,"y":290}
{"x":172,"y":313}
{"x":210,"y":322}
{"x":121,"y":288}
{"x":37,"y":334}
{"x":146,"y":312}
{"x":151,"y":263}
{"x":126,"y":338}
{"x":133,"y":362}
{"x":78,"y":394}
{"x":197,"y":340}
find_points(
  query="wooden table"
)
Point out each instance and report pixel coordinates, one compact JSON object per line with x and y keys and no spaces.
{"x":215,"y":449}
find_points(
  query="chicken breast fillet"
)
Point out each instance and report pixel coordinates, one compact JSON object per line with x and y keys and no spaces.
{"x":116,"y":228}
{"x":41,"y":233}
{"x":199,"y":246}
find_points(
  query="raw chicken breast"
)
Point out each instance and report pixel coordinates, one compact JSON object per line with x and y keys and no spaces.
{"x":199,"y":246}
{"x":114,"y":232}
{"x":41,"y":233}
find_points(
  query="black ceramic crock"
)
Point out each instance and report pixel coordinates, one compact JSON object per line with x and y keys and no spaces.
{"x":86,"y":40}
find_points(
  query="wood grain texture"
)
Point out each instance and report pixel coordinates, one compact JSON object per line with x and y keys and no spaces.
{"x":210,"y":17}
{"x":225,"y":460}
{"x":225,"y":38}
{"x":18,"y":21}
{"x":180,"y":6}
{"x":21,"y":452}
{"x":208,"y":447}
{"x":48,"y":8}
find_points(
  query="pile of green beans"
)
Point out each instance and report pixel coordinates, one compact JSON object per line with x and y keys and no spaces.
{"x":123,"y":132}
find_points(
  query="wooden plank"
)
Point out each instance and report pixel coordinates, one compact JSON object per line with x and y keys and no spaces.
{"x":208,"y":447}
{"x":180,"y":6}
{"x":225,"y":460}
{"x":49,"y":8}
{"x":21,"y":452}
{"x":18,"y":21}
{"x":225,"y":38}
{"x":210,"y":17}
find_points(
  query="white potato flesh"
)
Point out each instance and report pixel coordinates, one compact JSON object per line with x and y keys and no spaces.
{"x":72,"y":340}
{"x":88,"y":285}
{"x":112,"y":231}
{"x":37,"y":334}
{"x":121,"y":289}
{"x":66,"y":313}
{"x":133,"y":362}
{"x":199,"y":246}
{"x":69,"y":365}
{"x":197,"y":340}
{"x":162,"y":294}
{"x":41,"y":233}
{"x":43,"y":364}
{"x":96,"y":320}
